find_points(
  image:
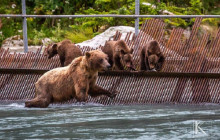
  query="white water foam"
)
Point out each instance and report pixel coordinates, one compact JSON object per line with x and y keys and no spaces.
{"x":76,"y":104}
{"x":16,"y":105}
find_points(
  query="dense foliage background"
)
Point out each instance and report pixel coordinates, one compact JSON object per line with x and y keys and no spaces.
{"x":80,"y":29}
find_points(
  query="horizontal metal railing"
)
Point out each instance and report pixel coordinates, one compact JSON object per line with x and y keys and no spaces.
{"x":136,"y":17}
{"x":191,"y":73}
{"x":125,"y":73}
{"x":109,"y":15}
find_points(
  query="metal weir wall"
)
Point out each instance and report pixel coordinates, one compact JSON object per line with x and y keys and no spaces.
{"x":191,"y":73}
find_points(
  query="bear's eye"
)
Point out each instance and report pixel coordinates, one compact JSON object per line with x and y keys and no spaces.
{"x":100,"y":60}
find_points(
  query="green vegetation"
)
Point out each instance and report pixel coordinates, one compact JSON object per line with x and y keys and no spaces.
{"x":80,"y":29}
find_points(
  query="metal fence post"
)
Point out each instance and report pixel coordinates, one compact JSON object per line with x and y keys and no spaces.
{"x":25,"y":40}
{"x":137,"y":12}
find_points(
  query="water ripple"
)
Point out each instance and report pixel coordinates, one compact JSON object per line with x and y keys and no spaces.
{"x":95,"y":121}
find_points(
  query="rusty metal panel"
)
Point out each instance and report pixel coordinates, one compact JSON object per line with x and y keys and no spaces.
{"x":191,"y":73}
{"x":133,"y":88}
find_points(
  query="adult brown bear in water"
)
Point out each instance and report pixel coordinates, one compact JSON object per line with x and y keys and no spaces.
{"x":77,"y":80}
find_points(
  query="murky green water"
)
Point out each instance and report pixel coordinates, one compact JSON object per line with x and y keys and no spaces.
{"x":93,"y":121}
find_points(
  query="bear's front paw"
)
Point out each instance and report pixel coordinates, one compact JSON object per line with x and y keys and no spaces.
{"x":152,"y":70}
{"x":27,"y":104}
{"x":132,"y":68}
{"x":114,"y":93}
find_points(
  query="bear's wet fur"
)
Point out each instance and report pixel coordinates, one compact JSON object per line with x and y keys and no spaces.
{"x":77,"y":80}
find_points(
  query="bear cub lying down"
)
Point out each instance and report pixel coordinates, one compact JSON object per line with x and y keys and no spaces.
{"x":77,"y":80}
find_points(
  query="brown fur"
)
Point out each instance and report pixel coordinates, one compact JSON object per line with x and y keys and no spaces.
{"x":151,"y":56}
{"x":120,"y":55}
{"x":66,"y":50}
{"x":77,"y":80}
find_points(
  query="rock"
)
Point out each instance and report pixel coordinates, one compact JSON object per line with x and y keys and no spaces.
{"x":186,"y":33}
{"x":205,"y":28}
{"x":15,"y":44}
{"x":14,"y":40}
{"x":103,"y":37}
{"x":46,"y":41}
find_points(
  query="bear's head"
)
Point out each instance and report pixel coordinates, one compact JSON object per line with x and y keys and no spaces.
{"x":97,"y":60}
{"x":51,"y":50}
{"x":127,"y":58}
{"x":153,"y":55}
{"x":153,"y":61}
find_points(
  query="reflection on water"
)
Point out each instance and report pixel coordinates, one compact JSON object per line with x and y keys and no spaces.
{"x":94,"y":121}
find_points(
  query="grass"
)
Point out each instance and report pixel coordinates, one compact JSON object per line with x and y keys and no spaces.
{"x":57,"y":34}
{"x":80,"y":35}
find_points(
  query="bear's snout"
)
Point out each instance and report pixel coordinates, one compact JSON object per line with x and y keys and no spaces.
{"x":152,"y":66}
{"x":128,"y":64}
{"x":108,"y":66}
{"x":49,"y":56}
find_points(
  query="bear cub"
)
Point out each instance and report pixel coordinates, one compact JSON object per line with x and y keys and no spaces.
{"x":151,"y":57}
{"x":66,"y":50}
{"x":77,"y":80}
{"x":120,"y":55}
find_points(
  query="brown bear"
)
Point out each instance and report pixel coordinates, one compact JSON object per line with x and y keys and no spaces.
{"x":120,"y":55}
{"x":66,"y":50}
{"x":77,"y":80}
{"x":151,"y":57}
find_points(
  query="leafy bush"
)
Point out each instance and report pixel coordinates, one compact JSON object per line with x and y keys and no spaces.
{"x":79,"y":34}
{"x":85,"y":28}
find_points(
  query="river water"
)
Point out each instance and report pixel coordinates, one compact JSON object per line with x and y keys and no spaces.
{"x":94,"y":121}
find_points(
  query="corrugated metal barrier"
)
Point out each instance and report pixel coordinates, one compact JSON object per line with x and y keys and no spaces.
{"x":191,"y":73}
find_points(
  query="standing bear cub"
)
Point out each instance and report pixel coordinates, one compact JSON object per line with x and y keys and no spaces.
{"x":120,"y":55}
{"x":151,"y":57}
{"x":66,"y":50}
{"x":77,"y":80}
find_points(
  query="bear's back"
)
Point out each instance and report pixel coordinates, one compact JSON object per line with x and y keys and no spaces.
{"x":69,"y":51}
{"x":153,"y":47}
{"x":53,"y":75}
{"x":108,"y":49}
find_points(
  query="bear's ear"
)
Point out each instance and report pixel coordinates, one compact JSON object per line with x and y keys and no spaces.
{"x":122,"y":52}
{"x":131,"y":51}
{"x":88,"y":54}
{"x":54,"y":46}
